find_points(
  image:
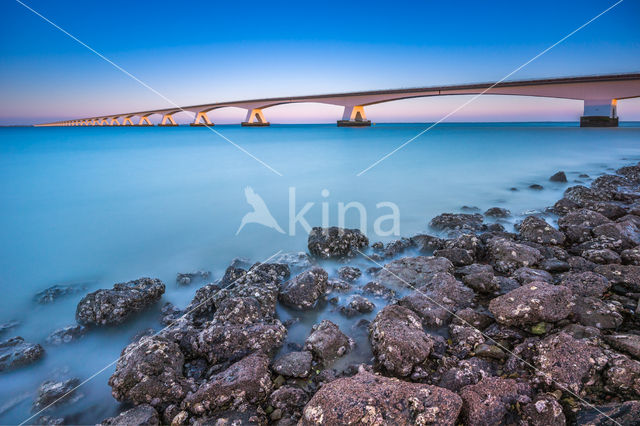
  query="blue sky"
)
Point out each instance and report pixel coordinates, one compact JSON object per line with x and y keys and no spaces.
{"x":216,"y":51}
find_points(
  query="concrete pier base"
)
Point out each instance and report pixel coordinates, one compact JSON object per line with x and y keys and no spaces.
{"x":598,"y":121}
{"x":201,"y":125}
{"x":353,"y":123}
{"x":255,"y":124}
{"x":167,"y":125}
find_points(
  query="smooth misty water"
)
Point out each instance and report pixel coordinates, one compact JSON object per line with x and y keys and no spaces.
{"x":107,"y":205}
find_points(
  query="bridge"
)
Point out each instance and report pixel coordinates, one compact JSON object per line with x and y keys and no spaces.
{"x":600,"y":94}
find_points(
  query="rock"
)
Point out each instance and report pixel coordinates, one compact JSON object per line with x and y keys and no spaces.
{"x":396,"y":247}
{"x":238,"y":310}
{"x":427,"y":243}
{"x":527,"y":275}
{"x":601,"y":256}
{"x":191,"y":277}
{"x":338,"y":285}
{"x":378,"y":290}
{"x":457,"y":221}
{"x":593,"y":312}
{"x":472,"y":318}
{"x":399,"y":344}
{"x":336,"y":242}
{"x":246,"y":381}
{"x":52,"y":393}
{"x":507,"y":256}
{"x":357,"y":305}
{"x":625,"y":275}
{"x":630,"y":256}
{"x":585,"y":283}
{"x":297,"y":262}
{"x":481,"y":282}
{"x":327,"y":342}
{"x":536,"y":187}
{"x":539,"y":231}
{"x":438,"y":298}
{"x":370,"y":399}
{"x":577,"y":225}
{"x":58,"y":291}
{"x":289,"y":400}
{"x":349,"y":273}
{"x":532,"y":303}
{"x":558,"y":177}
{"x":565,"y":362}
{"x":489,"y":401}
{"x":466,"y":372}
{"x":622,"y":234}
{"x":457,"y":256}
{"x":489,"y":351}
{"x":629,"y":343}
{"x":150,"y":372}
{"x":6,"y":326}
{"x":554,"y":266}
{"x":169,"y":313}
{"x":413,"y":271}
{"x":114,"y":306}
{"x":228,"y":342}
{"x":67,"y":334}
{"x":564,"y":206}
{"x":626,"y":413}
{"x":15,"y":352}
{"x":305,"y":289}
{"x":622,"y":376}
{"x":497,"y":212}
{"x":143,"y":415}
{"x":294,"y":364}
{"x":544,"y":410}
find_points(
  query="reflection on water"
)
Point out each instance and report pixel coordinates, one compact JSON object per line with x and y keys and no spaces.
{"x":106,"y":205}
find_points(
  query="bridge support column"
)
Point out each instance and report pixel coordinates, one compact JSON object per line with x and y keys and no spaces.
{"x":167,"y":121}
{"x":354,"y":116}
{"x":126,"y":121}
{"x":255,"y":118}
{"x":600,"y":113}
{"x":202,"y":119}
{"x":114,"y":121}
{"x":144,"y":121}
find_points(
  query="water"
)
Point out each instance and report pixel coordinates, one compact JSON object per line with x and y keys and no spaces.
{"x":106,"y":205}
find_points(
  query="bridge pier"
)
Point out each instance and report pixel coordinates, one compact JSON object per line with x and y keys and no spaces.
{"x":144,"y":121}
{"x":255,"y":118}
{"x":114,"y":121}
{"x":202,"y":119}
{"x":126,"y":121}
{"x":600,"y":113}
{"x":354,"y":116}
{"x":167,"y":121}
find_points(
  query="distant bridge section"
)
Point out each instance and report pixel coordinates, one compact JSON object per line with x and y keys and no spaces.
{"x":600,"y":94}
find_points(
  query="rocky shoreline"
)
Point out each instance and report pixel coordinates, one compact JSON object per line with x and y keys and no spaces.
{"x":475,"y":325}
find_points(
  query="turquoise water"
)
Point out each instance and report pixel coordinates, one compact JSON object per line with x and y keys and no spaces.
{"x":107,"y":205}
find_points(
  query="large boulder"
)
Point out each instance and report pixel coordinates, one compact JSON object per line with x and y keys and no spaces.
{"x":413,"y":271}
{"x":149,"y":371}
{"x":506,"y":256}
{"x":577,"y":225}
{"x":246,"y":381}
{"x":622,"y":376}
{"x":539,"y":231}
{"x":532,"y":303}
{"x":457,"y":222}
{"x":489,"y":401}
{"x":326,"y":342}
{"x":55,"y":393}
{"x":585,"y":283}
{"x":629,"y":343}
{"x":399,"y":344}
{"x":15,"y":352}
{"x":336,"y":242}
{"x":142,"y":415}
{"x":114,"y":306}
{"x":625,"y":275}
{"x":376,"y":400}
{"x":294,"y":364}
{"x":302,"y":291}
{"x":626,"y":413}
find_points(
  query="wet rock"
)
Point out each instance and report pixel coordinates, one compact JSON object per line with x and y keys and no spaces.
{"x":630,"y":256}
{"x":240,"y":263}
{"x":585,"y":283}
{"x":532,"y":303}
{"x":554,"y":266}
{"x":327,"y":342}
{"x":190,"y":277}
{"x":228,"y":342}
{"x":6,"y":326}
{"x":15,"y":352}
{"x":56,"y":292}
{"x":370,"y":399}
{"x":489,"y":401}
{"x":506,"y":256}
{"x":601,"y":256}
{"x":357,"y":305}
{"x":143,"y":415}
{"x":289,"y":400}
{"x":413,"y":271}
{"x":378,"y":290}
{"x":539,"y":231}
{"x":558,"y":177}
{"x":482,"y":282}
{"x":202,"y":305}
{"x":396,"y":247}
{"x":629,"y":343}
{"x":464,"y":338}
{"x":577,"y":264}
{"x":305,"y":289}
{"x":427,"y":243}
{"x":338,"y":285}
{"x":475,"y":268}
{"x":527,"y":275}
{"x":622,"y":376}
{"x":53,"y":393}
{"x":625,"y":275}
{"x":67,"y":334}
{"x":435,"y":301}
{"x":297,"y":262}
{"x":536,"y":187}
{"x":457,"y":256}
{"x":238,"y":310}
{"x":294,"y":364}
{"x":622,"y":234}
{"x":626,"y":413}
{"x":593,"y":312}
{"x":565,"y":362}
{"x":457,"y":221}
{"x":399,"y":344}
{"x":577,"y":225}
{"x":564,"y":206}
{"x":489,"y":351}
{"x":470,"y":317}
{"x":114,"y":306}
{"x":497,"y":212}
{"x":544,"y":410}
{"x":349,"y":273}
{"x":336,"y":242}
{"x":246,"y":381}
{"x":466,"y":372}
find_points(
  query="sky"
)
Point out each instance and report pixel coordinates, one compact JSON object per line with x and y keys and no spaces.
{"x":213,"y":51}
